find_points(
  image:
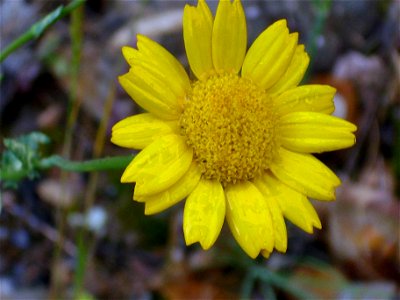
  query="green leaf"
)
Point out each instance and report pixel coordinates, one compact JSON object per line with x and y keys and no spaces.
{"x":21,"y":157}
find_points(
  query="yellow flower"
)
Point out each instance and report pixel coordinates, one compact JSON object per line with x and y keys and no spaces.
{"x":236,"y":140}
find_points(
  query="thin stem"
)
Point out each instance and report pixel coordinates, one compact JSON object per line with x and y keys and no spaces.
{"x":83,"y":253}
{"x":37,"y":29}
{"x":247,"y":285}
{"x":280,"y":282}
{"x":323,"y":7}
{"x":101,"y":164}
{"x":76,"y":32}
{"x":86,"y":242}
{"x":99,"y":145}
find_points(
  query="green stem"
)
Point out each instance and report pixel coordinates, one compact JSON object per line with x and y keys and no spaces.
{"x":83,"y":254}
{"x":323,"y":7}
{"x":76,"y":32}
{"x":101,"y":164}
{"x":247,"y":286}
{"x":280,"y":282}
{"x":37,"y":29}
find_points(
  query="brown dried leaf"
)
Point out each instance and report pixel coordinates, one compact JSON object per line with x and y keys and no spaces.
{"x":364,"y":225}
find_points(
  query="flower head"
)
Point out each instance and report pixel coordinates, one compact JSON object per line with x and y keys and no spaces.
{"x":236,"y":140}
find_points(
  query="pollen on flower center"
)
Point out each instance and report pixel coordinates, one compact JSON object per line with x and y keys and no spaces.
{"x":230,"y":124}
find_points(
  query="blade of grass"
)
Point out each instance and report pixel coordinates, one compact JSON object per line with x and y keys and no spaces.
{"x":37,"y":29}
{"x":99,"y":145}
{"x":281,"y":282}
{"x":76,"y":32}
{"x":82,"y":257}
{"x":268,"y":291}
{"x":323,"y":8}
{"x":247,"y":286}
{"x":86,"y":242}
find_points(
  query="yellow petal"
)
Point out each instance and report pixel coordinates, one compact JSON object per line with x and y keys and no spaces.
{"x":150,"y":94}
{"x":229,"y":36}
{"x":204,"y":213}
{"x":249,"y":218}
{"x":159,"y":165}
{"x":294,"y":73}
{"x":265,"y":253}
{"x":269,"y":56}
{"x":197,"y":32}
{"x":306,"y":174}
{"x":162,"y":64}
{"x":141,"y":130}
{"x":294,"y":205}
{"x":130,"y":54}
{"x":315,"y":132}
{"x":314,"y":98}
{"x":178,"y":191}
{"x":278,"y":223}
{"x":265,"y":40}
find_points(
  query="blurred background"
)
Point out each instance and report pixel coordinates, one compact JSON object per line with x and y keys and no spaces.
{"x":79,"y":235}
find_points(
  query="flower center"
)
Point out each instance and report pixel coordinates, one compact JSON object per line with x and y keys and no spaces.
{"x":230,"y":124}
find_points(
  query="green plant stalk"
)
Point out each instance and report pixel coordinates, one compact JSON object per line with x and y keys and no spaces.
{"x":99,"y":145}
{"x":323,"y":7}
{"x":267,"y":291}
{"x":37,"y":29}
{"x":86,"y":242}
{"x":83,"y":253}
{"x":101,"y":164}
{"x":280,"y":281}
{"x":76,"y":33}
{"x":247,"y":286}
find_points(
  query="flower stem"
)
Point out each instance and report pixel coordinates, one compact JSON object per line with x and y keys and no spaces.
{"x":39,"y":27}
{"x":101,"y":164}
{"x":281,"y":282}
{"x":323,"y":9}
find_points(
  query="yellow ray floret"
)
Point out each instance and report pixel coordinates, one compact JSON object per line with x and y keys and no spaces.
{"x":298,"y":209}
{"x":270,"y":54}
{"x":249,"y":221}
{"x":229,"y":37}
{"x":306,"y":174}
{"x":278,"y":223}
{"x":294,"y":72}
{"x":139,"y":131}
{"x":197,"y":33}
{"x":155,"y":58}
{"x":204,"y":213}
{"x":177,"y":192}
{"x":315,"y":98}
{"x":311,"y":132}
{"x":159,"y":165}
